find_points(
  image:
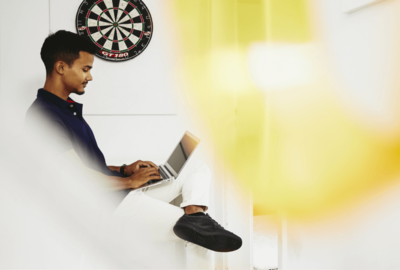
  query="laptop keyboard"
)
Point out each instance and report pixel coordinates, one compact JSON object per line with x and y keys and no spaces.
{"x":168,"y":170}
{"x":163,"y":173}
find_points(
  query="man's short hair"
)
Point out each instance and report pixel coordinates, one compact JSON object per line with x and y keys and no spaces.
{"x":64,"y":46}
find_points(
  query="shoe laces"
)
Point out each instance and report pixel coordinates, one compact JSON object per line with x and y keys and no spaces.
{"x":215,"y":223}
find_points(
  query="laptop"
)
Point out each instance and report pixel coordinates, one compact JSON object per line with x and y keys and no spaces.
{"x":170,"y":170}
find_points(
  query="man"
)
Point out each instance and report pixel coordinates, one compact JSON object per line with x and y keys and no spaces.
{"x":68,"y":59}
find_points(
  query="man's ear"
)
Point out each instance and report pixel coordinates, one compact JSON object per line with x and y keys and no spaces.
{"x":60,"y":67}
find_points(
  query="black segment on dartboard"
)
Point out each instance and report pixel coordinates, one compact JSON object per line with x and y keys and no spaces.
{"x":126,"y":28}
{"x":116,"y":4}
{"x":136,"y":20}
{"x":124,"y":16}
{"x":101,"y":5}
{"x":115,"y":46}
{"x":102,"y":41}
{"x":115,"y":37}
{"x":105,"y":35}
{"x":137,"y":33}
{"x":105,"y":20}
{"x":93,"y":29}
{"x":93,"y":16}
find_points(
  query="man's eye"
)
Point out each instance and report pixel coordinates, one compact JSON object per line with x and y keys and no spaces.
{"x":85,"y":70}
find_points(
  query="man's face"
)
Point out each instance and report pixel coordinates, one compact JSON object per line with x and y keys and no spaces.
{"x":78,"y":75}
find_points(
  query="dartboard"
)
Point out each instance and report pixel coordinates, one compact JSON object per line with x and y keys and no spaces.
{"x":122,"y":29}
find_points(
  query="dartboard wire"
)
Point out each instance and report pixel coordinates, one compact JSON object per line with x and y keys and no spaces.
{"x":96,"y":36}
{"x":110,"y":6}
{"x":132,"y":15}
{"x":90,"y":24}
{"x":121,"y":42}
{"x":119,"y":36}
{"x":138,"y":26}
{"x":122,"y":7}
{"x":115,"y":45}
{"x":98,"y":25}
{"x":131,"y":24}
{"x":97,"y":10}
{"x":125,"y":32}
{"x":132,"y":12}
{"x":106,"y":17}
{"x":107,"y":32}
{"x":124,"y":38}
{"x":101,"y":23}
{"x":109,"y":41}
{"x":95,"y":23}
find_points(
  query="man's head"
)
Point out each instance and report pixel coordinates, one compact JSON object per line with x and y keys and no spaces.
{"x":69,"y":57}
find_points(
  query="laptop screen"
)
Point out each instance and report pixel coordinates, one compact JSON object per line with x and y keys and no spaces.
{"x":181,"y":153}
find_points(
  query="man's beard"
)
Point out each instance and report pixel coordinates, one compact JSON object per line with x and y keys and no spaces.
{"x":78,"y":93}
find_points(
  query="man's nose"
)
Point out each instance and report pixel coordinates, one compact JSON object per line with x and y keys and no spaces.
{"x":90,"y":77}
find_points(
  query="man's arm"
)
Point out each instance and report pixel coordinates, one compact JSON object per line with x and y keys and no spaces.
{"x":114,"y":168}
{"x":114,"y":183}
{"x":51,"y":135}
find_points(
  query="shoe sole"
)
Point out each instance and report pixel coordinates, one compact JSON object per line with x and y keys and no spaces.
{"x":212,"y":241}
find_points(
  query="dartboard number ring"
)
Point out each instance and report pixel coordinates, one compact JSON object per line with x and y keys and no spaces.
{"x":122,"y":29}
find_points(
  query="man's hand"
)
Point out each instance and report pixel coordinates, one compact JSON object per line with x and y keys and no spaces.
{"x":134,"y":167}
{"x":142,"y":176}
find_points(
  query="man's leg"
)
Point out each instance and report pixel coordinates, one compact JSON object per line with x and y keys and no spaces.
{"x":193,"y":183}
{"x":144,"y":223}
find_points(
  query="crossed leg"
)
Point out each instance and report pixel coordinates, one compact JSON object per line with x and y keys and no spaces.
{"x":142,"y":227}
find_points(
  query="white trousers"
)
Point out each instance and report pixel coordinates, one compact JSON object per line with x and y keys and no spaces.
{"x":142,"y":229}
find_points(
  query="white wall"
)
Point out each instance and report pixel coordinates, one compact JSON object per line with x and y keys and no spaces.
{"x":362,"y":48}
{"x":135,"y":125}
{"x":363,"y":51}
{"x":22,"y":71}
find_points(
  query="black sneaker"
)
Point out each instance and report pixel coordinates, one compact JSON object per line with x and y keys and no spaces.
{"x":202,"y":230}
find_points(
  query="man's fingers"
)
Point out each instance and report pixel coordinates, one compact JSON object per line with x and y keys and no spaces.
{"x":143,"y":164}
{"x":153,"y":173}
{"x":152,"y":164}
{"x":149,"y":164}
{"x":137,"y":166}
{"x":150,"y":170}
{"x":154,"y":177}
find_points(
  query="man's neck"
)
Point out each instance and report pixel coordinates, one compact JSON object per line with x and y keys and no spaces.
{"x":56,"y":87}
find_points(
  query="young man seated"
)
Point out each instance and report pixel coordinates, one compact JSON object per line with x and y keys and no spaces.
{"x":68,"y":60}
